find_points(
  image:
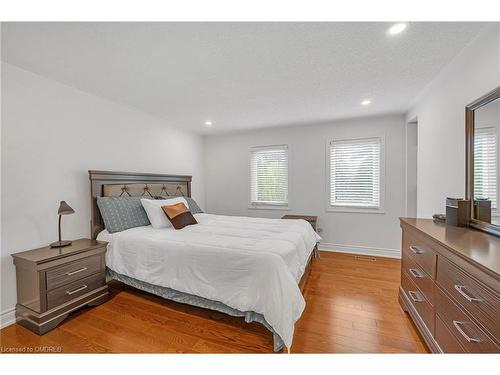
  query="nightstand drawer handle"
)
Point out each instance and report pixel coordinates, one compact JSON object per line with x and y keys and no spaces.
{"x":416,"y":249}
{"x":83,"y":287}
{"x":458,"y":325}
{"x":416,"y":273}
{"x":466,"y":294}
{"x":76,"y":271}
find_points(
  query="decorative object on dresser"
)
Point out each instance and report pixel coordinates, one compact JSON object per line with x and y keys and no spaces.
{"x":64,"y":209}
{"x":52,"y":283}
{"x":482,"y":210}
{"x":450,"y":286}
{"x":439,"y":218}
{"x":457,"y":212}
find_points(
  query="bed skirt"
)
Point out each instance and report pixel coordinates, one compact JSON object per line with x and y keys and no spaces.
{"x":190,"y":299}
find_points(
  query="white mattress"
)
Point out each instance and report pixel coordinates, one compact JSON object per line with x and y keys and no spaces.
{"x":250,"y":264}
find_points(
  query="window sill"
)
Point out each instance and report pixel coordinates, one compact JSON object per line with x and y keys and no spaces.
{"x":269,"y":207}
{"x":361,"y":210}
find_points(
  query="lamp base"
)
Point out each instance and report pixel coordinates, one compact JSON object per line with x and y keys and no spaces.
{"x":60,"y":243}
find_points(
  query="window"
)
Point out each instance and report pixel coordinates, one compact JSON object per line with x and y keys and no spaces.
{"x":269,"y":176}
{"x":355,"y":174}
{"x":485,"y":164}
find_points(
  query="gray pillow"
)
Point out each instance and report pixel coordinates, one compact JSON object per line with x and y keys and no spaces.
{"x":120,"y":213}
{"x":193,"y":206}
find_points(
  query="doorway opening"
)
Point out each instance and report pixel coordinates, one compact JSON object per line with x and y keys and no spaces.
{"x":411,"y":167}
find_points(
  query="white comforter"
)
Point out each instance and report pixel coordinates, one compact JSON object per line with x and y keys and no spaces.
{"x":250,"y":264}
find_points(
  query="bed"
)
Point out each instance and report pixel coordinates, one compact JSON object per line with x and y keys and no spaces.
{"x":250,"y":267}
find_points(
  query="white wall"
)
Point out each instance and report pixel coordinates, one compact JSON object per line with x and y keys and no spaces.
{"x":227,"y":179}
{"x":51,"y":135}
{"x":440,"y":110}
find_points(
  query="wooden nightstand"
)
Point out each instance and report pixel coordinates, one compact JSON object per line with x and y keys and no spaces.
{"x":52,"y":282}
{"x":313,"y":220}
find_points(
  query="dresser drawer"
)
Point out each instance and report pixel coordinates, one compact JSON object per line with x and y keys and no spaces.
{"x":76,"y":289}
{"x":70,"y":272}
{"x":423,"y":281}
{"x":417,"y":299}
{"x":420,"y":250}
{"x":445,"y":339}
{"x":468,"y":334}
{"x":475,"y":298}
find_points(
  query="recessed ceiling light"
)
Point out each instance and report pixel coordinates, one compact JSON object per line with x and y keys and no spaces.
{"x":366,"y":102}
{"x":397,"y":28}
{"x":208,"y":124}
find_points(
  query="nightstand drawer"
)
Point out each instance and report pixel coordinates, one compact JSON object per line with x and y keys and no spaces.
{"x":76,"y":289}
{"x":76,"y":270}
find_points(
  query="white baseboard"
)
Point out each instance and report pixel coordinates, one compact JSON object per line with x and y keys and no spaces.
{"x":7,"y":317}
{"x":360,"y":250}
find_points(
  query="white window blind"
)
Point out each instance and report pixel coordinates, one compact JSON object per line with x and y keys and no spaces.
{"x":269,"y":175}
{"x":485,"y":164}
{"x":355,"y":172}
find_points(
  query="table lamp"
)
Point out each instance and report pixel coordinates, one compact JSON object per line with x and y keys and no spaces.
{"x":64,"y":209}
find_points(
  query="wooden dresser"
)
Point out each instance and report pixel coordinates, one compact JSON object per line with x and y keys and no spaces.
{"x":450,"y":286}
{"x":52,"y":282}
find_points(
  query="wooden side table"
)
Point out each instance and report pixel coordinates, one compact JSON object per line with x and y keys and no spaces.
{"x":52,"y":282}
{"x":313,"y":220}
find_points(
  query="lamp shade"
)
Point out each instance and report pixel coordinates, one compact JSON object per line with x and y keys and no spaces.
{"x":65,"y":209}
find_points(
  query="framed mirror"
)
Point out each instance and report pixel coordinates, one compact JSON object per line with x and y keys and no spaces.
{"x":482,"y":158}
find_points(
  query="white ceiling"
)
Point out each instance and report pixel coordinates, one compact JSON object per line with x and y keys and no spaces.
{"x":240,"y":75}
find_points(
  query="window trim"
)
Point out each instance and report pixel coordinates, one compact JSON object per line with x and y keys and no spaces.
{"x":349,"y":208}
{"x":268,"y":206}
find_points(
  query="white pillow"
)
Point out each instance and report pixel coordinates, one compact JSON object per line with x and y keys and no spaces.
{"x":156,"y":216}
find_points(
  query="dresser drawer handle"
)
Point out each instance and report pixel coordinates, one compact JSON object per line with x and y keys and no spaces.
{"x":458,"y":325}
{"x":466,"y":294}
{"x":416,"y":249}
{"x":76,"y":271}
{"x":416,"y":273}
{"x":415,"y":296}
{"x":83,"y":287}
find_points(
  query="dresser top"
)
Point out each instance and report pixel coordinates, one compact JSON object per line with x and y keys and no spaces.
{"x":46,"y":254}
{"x":481,"y":248}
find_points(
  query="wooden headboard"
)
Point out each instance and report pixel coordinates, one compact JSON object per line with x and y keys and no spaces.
{"x":115,"y":184}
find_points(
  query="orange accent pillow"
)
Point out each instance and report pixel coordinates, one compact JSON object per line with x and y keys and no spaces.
{"x":179,"y":215}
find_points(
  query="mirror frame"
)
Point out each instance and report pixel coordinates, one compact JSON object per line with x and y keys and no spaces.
{"x":469,"y":159}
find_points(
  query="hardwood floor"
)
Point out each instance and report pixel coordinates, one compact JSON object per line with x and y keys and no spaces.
{"x":352,"y":307}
